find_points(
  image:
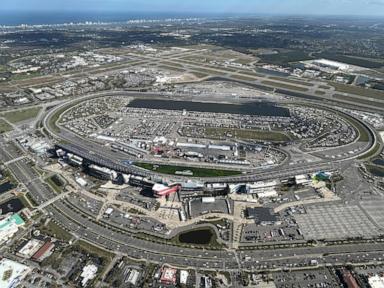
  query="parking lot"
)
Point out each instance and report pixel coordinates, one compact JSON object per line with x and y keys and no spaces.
{"x":337,"y":221}
{"x":311,"y":278}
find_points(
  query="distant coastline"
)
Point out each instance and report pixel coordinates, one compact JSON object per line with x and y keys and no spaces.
{"x":59,"y":18}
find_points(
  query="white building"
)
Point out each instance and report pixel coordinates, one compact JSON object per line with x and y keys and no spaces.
{"x":302,"y":180}
{"x":81,"y":181}
{"x":133,"y":277}
{"x":184,"y":277}
{"x":11,"y":273}
{"x":376,"y":281}
{"x":88,"y":273}
{"x":30,"y":248}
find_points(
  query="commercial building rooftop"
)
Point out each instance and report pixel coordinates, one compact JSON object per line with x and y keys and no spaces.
{"x":11,"y":273}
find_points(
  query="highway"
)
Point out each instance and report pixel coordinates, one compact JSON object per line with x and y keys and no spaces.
{"x":104,"y":236}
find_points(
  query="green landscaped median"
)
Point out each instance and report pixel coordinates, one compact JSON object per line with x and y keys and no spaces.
{"x":197,"y":172}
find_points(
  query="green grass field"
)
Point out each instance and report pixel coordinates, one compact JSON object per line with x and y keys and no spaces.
{"x":284,"y":86}
{"x":363,"y":92}
{"x":291,"y":81}
{"x":247,"y":134}
{"x":4,"y":126}
{"x":54,"y":183}
{"x":197,"y":172}
{"x":56,"y":231}
{"x":283,"y":58}
{"x":21,"y":115}
{"x":359,"y":100}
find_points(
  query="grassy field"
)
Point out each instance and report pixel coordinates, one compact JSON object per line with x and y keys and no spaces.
{"x":24,"y":200}
{"x":291,"y":81}
{"x":356,"y":61}
{"x":56,"y":231}
{"x":200,"y":75}
{"x":364,"y":92}
{"x":247,"y":134}
{"x":284,"y":86}
{"x":4,"y":126}
{"x":197,"y":172}
{"x":206,"y":71}
{"x":91,"y":249}
{"x":359,"y":100}
{"x":54,"y":183}
{"x":284,"y":58}
{"x":172,"y":68}
{"x":21,"y":115}
{"x":242,"y":77}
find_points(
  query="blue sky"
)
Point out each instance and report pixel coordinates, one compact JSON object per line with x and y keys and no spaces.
{"x":328,"y":7}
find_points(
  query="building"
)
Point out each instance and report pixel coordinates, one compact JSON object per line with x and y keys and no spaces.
{"x":30,"y":248}
{"x":88,"y":273}
{"x":81,"y":181}
{"x":9,"y":226}
{"x":11,"y":273}
{"x":376,"y":281}
{"x":168,"y":276}
{"x":262,"y":216}
{"x":160,"y":190}
{"x":349,"y":280}
{"x":44,"y":252}
{"x":207,"y":282}
{"x":208,"y":200}
{"x":303,"y":180}
{"x":332,"y":64}
{"x":108,"y":212}
{"x":184,"y":277}
{"x":133,"y":277}
{"x":103,"y":173}
{"x":269,"y":193}
{"x":261,"y":186}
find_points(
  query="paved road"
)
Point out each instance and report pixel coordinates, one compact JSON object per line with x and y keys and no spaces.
{"x":63,"y":213}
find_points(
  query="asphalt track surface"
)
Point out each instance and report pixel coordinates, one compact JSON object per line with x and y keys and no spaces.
{"x":126,"y":243}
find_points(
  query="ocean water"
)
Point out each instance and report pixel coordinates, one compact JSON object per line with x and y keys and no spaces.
{"x":38,"y":18}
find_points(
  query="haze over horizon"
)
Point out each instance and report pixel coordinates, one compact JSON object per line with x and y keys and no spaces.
{"x":271,"y":7}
